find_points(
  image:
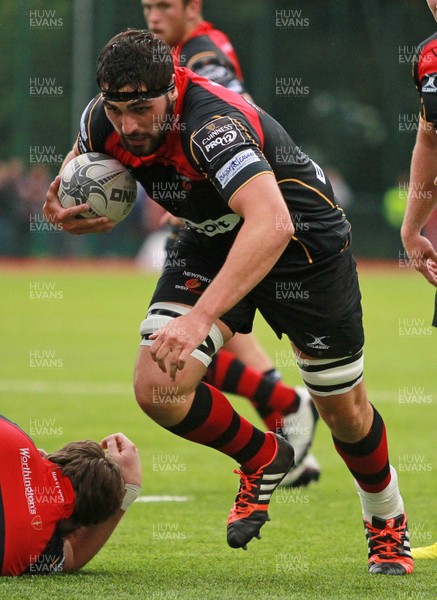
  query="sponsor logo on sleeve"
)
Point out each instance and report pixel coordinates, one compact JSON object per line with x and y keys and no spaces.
{"x":211,"y":71}
{"x":430,"y":85}
{"x":319,"y":172}
{"x":239,"y":162}
{"x":83,"y":131}
{"x":84,"y":121}
{"x":81,"y":145}
{"x":217,"y":136}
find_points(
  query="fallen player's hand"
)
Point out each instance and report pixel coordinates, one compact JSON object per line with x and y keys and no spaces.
{"x":125,"y":454}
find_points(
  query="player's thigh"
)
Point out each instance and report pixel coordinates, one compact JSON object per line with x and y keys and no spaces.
{"x":318,"y":308}
{"x":187,"y":275}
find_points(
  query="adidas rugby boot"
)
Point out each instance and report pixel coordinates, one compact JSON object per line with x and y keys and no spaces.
{"x":249,"y":512}
{"x":389,"y":546}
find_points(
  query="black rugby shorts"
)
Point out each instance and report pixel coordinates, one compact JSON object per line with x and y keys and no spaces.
{"x":317,"y":307}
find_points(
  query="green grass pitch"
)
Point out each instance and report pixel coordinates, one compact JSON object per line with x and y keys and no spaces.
{"x":69,"y":340}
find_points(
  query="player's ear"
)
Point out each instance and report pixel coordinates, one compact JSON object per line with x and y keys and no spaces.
{"x":173,"y":95}
{"x":193,"y":8}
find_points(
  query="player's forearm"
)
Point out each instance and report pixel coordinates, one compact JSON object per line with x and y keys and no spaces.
{"x":87,"y":541}
{"x":422,"y":195}
{"x":255,"y":251}
{"x":422,"y":200}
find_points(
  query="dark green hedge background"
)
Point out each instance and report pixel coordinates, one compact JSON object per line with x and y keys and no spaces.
{"x":357,"y":113}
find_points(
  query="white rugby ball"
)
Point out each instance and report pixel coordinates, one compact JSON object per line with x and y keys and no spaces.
{"x":100,"y":181}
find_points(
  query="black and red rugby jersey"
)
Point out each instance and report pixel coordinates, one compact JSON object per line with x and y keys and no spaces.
{"x":34,"y":497}
{"x":425,"y":78}
{"x":209,"y":53}
{"x":216,"y":143}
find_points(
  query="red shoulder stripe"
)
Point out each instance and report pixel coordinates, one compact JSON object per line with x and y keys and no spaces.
{"x":233,"y":98}
{"x":427,"y":62}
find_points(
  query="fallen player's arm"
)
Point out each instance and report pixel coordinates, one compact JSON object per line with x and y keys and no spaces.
{"x":82,"y":545}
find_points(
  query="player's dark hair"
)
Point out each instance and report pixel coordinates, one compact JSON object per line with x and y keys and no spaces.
{"x":97,"y":482}
{"x":134,"y":58}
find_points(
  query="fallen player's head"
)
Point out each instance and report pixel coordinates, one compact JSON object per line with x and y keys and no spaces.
{"x":97,"y":482}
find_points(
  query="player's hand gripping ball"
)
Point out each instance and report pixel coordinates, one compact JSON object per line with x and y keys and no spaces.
{"x":100,"y":181}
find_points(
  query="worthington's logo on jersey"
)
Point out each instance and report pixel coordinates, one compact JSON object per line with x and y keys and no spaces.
{"x":27,"y":480}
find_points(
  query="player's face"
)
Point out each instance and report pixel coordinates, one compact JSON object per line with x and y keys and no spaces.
{"x":433,"y":7}
{"x":141,"y":124}
{"x":167,"y":19}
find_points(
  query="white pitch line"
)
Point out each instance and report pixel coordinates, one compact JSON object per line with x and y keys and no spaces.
{"x":77,"y":388}
{"x":115,"y":388}
{"x":162,"y":499}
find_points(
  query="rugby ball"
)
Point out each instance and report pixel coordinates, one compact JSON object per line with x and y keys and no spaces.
{"x":100,"y":181}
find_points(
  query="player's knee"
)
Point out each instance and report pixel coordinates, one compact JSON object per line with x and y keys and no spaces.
{"x":162,"y":313}
{"x":156,"y":394}
{"x":143,"y":394}
{"x":348,"y":414}
{"x":154,"y":391}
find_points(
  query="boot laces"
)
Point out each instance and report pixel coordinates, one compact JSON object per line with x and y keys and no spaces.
{"x":248,"y":484}
{"x":387,"y":541}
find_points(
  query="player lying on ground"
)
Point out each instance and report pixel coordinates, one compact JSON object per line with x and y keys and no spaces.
{"x":59,"y":509}
{"x":242,"y":248}
{"x":242,"y":367}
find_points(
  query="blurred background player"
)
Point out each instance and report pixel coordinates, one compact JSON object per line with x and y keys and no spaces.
{"x":421,"y":207}
{"x":57,"y":510}
{"x":421,"y":213}
{"x":242,"y":368}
